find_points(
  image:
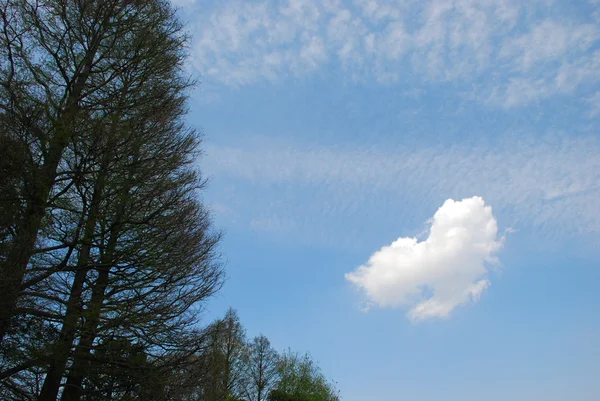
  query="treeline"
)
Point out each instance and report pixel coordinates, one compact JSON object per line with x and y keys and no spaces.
{"x":107,"y":254}
{"x":234,"y":368}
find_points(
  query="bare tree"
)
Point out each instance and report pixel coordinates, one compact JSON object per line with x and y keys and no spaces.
{"x":260,"y":373}
{"x":224,"y":360}
{"x":61,"y":63}
{"x":233,"y":347}
{"x":102,"y":234}
{"x":156,"y":265}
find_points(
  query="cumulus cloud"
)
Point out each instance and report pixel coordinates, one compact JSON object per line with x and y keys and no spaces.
{"x":435,"y":275}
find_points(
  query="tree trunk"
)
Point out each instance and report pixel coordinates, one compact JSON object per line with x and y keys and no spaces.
{"x":89,"y":332}
{"x":62,"y":347}
{"x":81,"y":360}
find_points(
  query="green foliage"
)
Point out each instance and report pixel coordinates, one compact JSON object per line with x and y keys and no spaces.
{"x":300,"y":379}
{"x":233,"y":398}
{"x":279,"y":395}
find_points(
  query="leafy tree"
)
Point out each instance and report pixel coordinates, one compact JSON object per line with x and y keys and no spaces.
{"x":300,"y":379}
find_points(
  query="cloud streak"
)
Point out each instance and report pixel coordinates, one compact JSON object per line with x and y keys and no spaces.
{"x":549,"y":184}
{"x":435,"y":275}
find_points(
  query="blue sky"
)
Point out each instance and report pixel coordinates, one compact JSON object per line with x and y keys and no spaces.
{"x":335,"y":128}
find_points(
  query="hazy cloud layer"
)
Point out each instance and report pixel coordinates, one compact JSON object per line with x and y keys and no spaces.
{"x":507,"y":53}
{"x":550,"y":184}
{"x":435,"y":275}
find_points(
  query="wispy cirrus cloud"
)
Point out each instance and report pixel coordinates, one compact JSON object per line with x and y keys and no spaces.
{"x":511,"y":53}
{"x":549,"y":184}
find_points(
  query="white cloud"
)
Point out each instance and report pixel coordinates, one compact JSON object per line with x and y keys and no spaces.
{"x":549,"y":41}
{"x":435,"y":275}
{"x":313,"y":53}
{"x":239,"y":43}
{"x":551,"y":58}
{"x":514,"y":58}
